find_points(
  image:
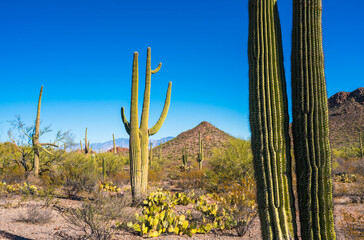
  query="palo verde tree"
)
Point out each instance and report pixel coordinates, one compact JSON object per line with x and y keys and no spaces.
{"x":139,"y":135}
{"x":269,"y":122}
{"x":310,"y":122}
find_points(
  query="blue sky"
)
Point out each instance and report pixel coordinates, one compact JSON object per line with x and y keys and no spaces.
{"x":81,"y":51}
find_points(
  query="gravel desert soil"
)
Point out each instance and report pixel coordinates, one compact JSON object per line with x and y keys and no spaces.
{"x":14,"y":209}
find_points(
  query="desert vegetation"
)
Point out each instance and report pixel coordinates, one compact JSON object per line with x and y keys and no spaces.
{"x":286,"y":182}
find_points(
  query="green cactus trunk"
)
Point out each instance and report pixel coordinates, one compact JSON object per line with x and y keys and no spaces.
{"x":86,"y":143}
{"x":184,"y":157}
{"x":113,"y":138}
{"x":81,"y":146}
{"x":103,"y":169}
{"x":35,"y":137}
{"x":269,"y":122}
{"x":150,"y":155}
{"x":310,"y":122}
{"x":200,"y":153}
{"x":139,"y":136}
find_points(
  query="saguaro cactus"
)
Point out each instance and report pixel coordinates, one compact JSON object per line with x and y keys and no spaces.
{"x":87,"y":144}
{"x":81,"y":146}
{"x":104,"y":169}
{"x":35,"y":138}
{"x":139,"y":136}
{"x":310,"y":122}
{"x":269,"y":122}
{"x":200,"y":153}
{"x":113,"y":139}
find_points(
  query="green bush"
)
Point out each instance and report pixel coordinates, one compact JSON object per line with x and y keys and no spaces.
{"x":78,"y":173}
{"x":114,"y":163}
{"x":232,"y":162}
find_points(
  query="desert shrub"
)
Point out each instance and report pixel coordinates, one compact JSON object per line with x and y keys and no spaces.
{"x":121,"y":178}
{"x":238,"y":202}
{"x":114,"y":163}
{"x":352,"y":226}
{"x":78,"y":173}
{"x":233,"y":161}
{"x":155,"y":176}
{"x":192,"y":180}
{"x":91,"y":220}
{"x":36,"y":215}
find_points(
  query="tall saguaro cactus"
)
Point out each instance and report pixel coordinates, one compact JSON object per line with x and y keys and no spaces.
{"x":310,"y":122}
{"x":37,"y":146}
{"x":200,"y":153}
{"x":139,"y":136}
{"x":35,"y":137}
{"x":269,"y":122}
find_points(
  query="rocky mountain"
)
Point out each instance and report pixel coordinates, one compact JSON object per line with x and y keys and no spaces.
{"x":211,"y":136}
{"x":346,"y":117}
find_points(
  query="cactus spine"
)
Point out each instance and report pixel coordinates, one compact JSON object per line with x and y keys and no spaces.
{"x":113,"y":138}
{"x":139,"y":136}
{"x":269,"y":122}
{"x":200,"y":153}
{"x":310,"y":122}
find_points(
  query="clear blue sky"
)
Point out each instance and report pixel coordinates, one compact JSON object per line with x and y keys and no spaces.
{"x":81,"y":51}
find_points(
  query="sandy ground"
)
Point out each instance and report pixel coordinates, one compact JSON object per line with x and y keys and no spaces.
{"x":14,"y":208}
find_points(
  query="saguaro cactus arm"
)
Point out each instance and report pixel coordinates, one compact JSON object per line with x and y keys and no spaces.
{"x":125,"y":121}
{"x":157,"y":69}
{"x":163,"y":116}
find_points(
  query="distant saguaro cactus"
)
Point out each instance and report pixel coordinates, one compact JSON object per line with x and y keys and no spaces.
{"x":104,"y":169}
{"x":310,"y":123}
{"x":139,"y":136}
{"x":87,"y":144}
{"x":113,"y":139}
{"x":200,"y":153}
{"x":269,"y":122}
{"x":81,"y":146}
{"x":35,"y":138}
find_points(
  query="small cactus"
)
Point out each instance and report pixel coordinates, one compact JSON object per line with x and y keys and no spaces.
{"x":200,"y":153}
{"x":87,"y":144}
{"x":104,"y":168}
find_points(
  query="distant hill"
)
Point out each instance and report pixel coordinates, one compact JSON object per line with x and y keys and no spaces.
{"x":346,"y":117}
{"x":119,"y":142}
{"x":211,"y":136}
